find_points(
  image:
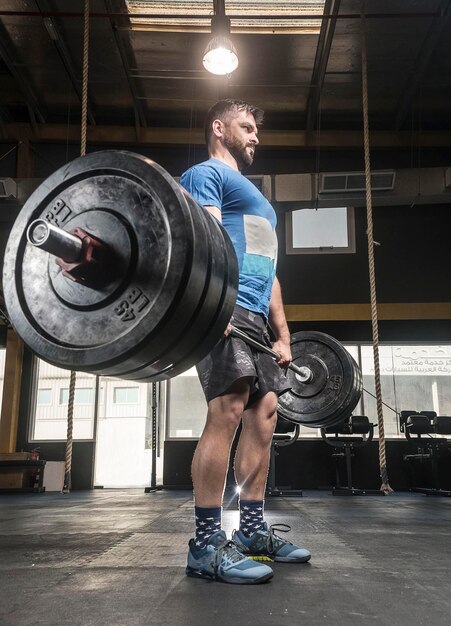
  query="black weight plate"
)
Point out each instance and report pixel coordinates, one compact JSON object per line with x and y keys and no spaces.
{"x":123,"y":185}
{"x":213,"y":316}
{"x":354,"y":396}
{"x":195,"y":337}
{"x":334,"y":390}
{"x":163,"y":278}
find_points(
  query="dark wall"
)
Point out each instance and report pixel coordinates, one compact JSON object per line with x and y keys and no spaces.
{"x":412,"y":264}
{"x":49,"y":157}
{"x":412,"y":260}
{"x":8,"y":157}
{"x":308,"y":464}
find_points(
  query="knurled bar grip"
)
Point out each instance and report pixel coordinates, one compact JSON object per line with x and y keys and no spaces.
{"x":304,"y":373}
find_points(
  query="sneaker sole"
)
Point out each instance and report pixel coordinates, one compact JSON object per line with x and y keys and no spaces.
{"x":286,"y":559}
{"x":195,"y":573}
{"x":280,"y":559}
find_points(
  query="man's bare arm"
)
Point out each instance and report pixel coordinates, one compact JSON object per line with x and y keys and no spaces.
{"x":278,"y":323}
{"x":215,"y":212}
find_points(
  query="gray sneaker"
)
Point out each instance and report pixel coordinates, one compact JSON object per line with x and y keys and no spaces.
{"x":220,"y":560}
{"x":265,"y":543}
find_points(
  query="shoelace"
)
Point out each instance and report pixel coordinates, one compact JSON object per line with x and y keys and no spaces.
{"x":230,"y":551}
{"x":272,"y":537}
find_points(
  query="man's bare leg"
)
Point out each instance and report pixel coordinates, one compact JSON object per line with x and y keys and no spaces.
{"x":251,"y":471}
{"x":210,"y":555}
{"x":211,"y":459}
{"x":253,"y":452}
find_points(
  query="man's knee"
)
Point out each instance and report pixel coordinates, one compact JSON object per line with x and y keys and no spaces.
{"x":225,"y":413}
{"x":266,"y":407}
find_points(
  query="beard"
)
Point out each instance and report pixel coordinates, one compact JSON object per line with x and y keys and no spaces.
{"x":239,"y":151}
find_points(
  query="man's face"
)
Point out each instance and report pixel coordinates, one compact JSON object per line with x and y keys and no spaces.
{"x":240,"y":138}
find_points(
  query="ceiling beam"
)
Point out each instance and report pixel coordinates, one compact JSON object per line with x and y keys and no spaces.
{"x":197,"y":16}
{"x":269,"y":139}
{"x":386,"y":311}
{"x":321,"y":60}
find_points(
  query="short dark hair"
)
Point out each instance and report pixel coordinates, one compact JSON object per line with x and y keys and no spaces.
{"x":223,"y":108}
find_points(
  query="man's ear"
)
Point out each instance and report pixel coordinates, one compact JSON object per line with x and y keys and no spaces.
{"x":218,"y":128}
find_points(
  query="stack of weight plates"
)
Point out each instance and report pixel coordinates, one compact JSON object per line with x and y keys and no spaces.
{"x":166,"y":294}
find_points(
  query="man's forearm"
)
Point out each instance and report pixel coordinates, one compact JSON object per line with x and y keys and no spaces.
{"x":277,"y":319}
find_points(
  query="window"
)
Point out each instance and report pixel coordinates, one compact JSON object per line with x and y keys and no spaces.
{"x":44,"y":397}
{"x":126,"y":395}
{"x":187,"y":406}
{"x":49,"y":421}
{"x":320,"y":231}
{"x":413,"y":377}
{"x":81,"y":396}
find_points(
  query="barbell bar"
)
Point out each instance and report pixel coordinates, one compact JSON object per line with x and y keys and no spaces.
{"x":303,"y":374}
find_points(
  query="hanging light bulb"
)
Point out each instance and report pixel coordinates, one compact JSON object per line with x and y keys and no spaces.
{"x":220,"y":56}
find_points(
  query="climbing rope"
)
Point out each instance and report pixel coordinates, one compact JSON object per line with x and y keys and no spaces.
{"x":385,"y":486}
{"x":69,"y":437}
{"x":84,"y":89}
{"x":73,"y":376}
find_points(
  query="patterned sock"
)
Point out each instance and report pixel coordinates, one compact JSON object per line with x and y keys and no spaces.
{"x":208,"y":521}
{"x":251,"y":516}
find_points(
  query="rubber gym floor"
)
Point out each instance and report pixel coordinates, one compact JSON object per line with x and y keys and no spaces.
{"x":117,"y":558}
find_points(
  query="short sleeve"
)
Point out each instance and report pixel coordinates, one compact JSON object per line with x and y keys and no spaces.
{"x":204,"y":184}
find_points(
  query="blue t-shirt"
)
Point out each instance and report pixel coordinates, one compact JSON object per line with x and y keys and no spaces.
{"x":250,"y":222}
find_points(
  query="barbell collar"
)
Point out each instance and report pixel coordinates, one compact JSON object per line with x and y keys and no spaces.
{"x":54,"y":240}
{"x":303,"y":374}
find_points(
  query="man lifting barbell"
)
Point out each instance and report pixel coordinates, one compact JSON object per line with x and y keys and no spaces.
{"x":241,"y":384}
{"x":112,"y":268}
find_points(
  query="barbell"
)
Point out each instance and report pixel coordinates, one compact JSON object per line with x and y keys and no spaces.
{"x":112,"y":268}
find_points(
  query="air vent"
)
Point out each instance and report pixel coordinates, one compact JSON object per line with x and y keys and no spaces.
{"x":355,"y":181}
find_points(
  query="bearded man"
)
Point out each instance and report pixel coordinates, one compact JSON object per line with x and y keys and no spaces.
{"x":241,"y":384}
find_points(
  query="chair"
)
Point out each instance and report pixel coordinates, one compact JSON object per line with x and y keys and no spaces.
{"x":345,"y":446}
{"x":430,"y":414}
{"x":421,"y":430}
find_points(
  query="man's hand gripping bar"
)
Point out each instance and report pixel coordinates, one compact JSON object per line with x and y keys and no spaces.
{"x":303,"y":373}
